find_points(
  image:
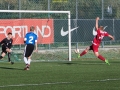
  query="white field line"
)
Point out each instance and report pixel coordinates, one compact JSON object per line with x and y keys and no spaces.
{"x":103,"y":80}
{"x":55,"y":83}
{"x":48,"y":60}
{"x":18,"y":85}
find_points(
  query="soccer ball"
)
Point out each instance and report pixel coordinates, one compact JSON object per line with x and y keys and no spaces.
{"x":77,"y":51}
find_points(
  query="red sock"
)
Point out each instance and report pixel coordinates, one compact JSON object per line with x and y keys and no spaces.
{"x":83,"y":53}
{"x":101,"y":58}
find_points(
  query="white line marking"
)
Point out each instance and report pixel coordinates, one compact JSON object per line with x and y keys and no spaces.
{"x":103,"y":80}
{"x":54,"y":83}
{"x":49,"y":60}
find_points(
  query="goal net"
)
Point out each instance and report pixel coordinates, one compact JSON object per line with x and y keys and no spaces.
{"x":52,"y":29}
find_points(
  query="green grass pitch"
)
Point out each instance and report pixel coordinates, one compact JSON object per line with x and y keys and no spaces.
{"x":85,"y":74}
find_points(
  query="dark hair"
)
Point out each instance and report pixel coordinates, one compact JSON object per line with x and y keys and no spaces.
{"x":32,"y":28}
{"x":9,"y":33}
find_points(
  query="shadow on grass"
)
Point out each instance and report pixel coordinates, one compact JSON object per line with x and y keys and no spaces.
{"x":10,"y":68}
{"x":68,"y":63}
{"x":83,"y":63}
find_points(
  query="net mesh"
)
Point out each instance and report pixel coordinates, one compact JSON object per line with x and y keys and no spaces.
{"x":51,"y":45}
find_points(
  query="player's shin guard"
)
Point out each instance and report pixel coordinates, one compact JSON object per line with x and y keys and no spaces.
{"x":101,"y":57}
{"x":83,"y":53}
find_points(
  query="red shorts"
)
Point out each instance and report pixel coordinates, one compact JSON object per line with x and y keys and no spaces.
{"x":94,"y":48}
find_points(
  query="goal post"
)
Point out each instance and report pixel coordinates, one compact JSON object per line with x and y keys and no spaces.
{"x":48,"y":12}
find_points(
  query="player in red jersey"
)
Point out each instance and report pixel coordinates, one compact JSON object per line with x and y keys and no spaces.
{"x":96,"y":43}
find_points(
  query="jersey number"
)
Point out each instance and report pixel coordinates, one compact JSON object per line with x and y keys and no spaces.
{"x":30,"y":39}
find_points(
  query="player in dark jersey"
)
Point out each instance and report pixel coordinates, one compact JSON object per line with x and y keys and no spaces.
{"x":96,"y":42}
{"x":6,"y":44}
{"x":30,"y":41}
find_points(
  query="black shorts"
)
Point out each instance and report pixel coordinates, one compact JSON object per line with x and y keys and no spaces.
{"x":4,"y":49}
{"x":28,"y":50}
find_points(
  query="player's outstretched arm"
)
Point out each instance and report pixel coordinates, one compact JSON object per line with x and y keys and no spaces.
{"x":111,"y":37}
{"x":97,"y":23}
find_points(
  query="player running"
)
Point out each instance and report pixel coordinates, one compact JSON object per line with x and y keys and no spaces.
{"x":30,"y":41}
{"x":96,"y":43}
{"x":6,"y":44}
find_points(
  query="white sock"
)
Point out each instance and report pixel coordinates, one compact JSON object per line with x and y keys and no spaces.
{"x":25,"y":60}
{"x":29,"y":60}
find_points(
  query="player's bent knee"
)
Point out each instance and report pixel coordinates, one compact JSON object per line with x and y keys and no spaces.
{"x":3,"y":54}
{"x":96,"y":54}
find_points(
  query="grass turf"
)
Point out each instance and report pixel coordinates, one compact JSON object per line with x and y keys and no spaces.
{"x":75,"y":75}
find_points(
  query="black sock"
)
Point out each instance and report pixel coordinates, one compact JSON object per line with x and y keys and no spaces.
{"x":1,"y":57}
{"x":9,"y":57}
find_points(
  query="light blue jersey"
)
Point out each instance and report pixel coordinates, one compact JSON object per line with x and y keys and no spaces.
{"x":30,"y":38}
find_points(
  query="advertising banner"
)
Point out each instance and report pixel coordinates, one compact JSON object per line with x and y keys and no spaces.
{"x":19,"y":27}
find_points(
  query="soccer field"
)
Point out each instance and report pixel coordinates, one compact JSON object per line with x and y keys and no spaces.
{"x":75,"y":75}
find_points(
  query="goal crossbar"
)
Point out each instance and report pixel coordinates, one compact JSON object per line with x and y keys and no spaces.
{"x":37,"y":11}
{"x":33,"y":11}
